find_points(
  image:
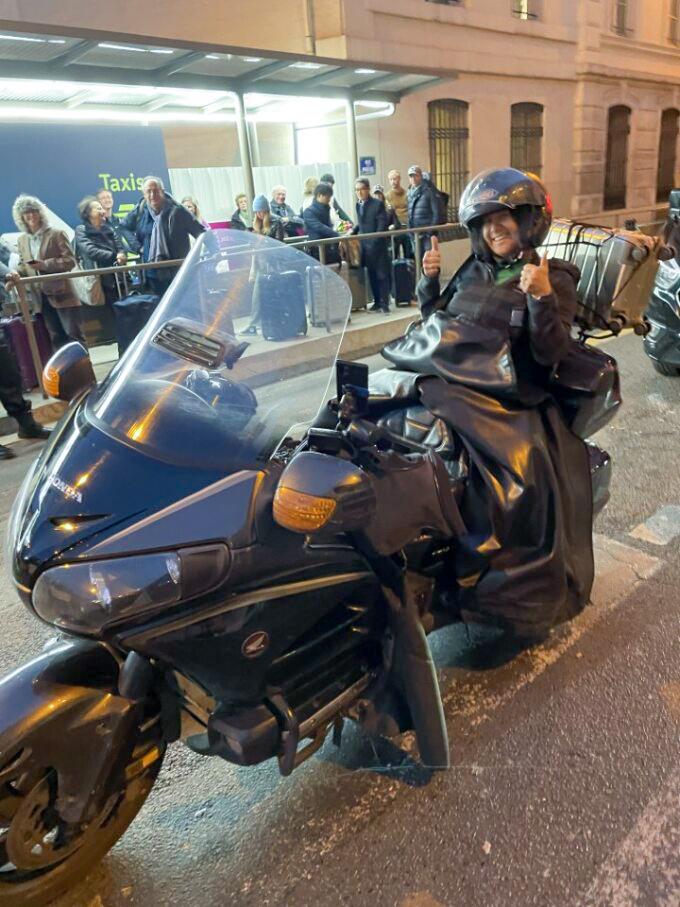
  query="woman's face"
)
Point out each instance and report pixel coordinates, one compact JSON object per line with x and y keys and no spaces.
{"x":95,"y":214}
{"x":243,"y":203}
{"x":190,"y":206}
{"x":32,"y":220}
{"x":501,"y":234}
{"x":260,"y":215}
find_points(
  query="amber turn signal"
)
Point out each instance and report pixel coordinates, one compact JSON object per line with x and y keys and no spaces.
{"x":301,"y":512}
{"x":50,"y":378}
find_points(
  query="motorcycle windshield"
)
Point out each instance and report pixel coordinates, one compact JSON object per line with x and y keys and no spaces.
{"x":194,"y":389}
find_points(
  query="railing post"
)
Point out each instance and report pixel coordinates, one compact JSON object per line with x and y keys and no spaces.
{"x":418,"y":247}
{"x":30,"y":333}
{"x":326,"y":308}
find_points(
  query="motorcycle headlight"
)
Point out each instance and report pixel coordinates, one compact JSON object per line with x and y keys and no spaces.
{"x":85,"y":597}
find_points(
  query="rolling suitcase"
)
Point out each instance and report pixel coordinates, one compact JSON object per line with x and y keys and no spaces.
{"x":326,"y":299}
{"x":403,"y":279}
{"x":357,"y":278}
{"x":16,"y":336}
{"x":282,"y":305}
{"x":617,"y":271}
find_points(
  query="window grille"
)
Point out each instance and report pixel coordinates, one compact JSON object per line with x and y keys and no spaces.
{"x":525,"y":9}
{"x":674,"y":22}
{"x":668,"y":143}
{"x":449,"y":140}
{"x":526,"y":137}
{"x":620,"y":20}
{"x":618,"y":130}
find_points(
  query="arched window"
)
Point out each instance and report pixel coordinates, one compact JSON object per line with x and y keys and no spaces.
{"x":526,"y":137}
{"x":618,"y":130}
{"x":668,"y":143}
{"x":449,"y":140}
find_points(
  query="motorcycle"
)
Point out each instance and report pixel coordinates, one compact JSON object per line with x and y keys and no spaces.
{"x":228,"y":559}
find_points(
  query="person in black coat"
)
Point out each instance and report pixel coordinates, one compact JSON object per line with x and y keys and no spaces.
{"x":11,"y":393}
{"x":98,"y":245}
{"x":317,"y":218}
{"x":372,"y":218}
{"x":163,"y":228}
{"x":499,"y":328}
{"x":423,"y":205}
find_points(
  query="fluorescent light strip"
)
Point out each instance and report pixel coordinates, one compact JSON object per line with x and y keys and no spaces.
{"x":365,"y":72}
{"x":37,"y":114}
{"x":136,"y":50}
{"x":22,"y":38}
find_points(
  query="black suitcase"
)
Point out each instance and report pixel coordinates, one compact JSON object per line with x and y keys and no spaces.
{"x":403,"y":281}
{"x":282,"y":305}
{"x":131,"y":314}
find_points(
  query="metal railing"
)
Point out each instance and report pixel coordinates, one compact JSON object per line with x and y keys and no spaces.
{"x":451,"y":231}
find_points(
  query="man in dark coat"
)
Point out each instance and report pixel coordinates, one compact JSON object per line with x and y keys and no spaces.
{"x":330,"y":179}
{"x":163,"y":228}
{"x":423,"y":205}
{"x":11,"y":394}
{"x":317,"y":218}
{"x":372,"y":218}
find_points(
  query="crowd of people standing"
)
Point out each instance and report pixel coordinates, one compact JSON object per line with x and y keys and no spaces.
{"x":159,"y":229}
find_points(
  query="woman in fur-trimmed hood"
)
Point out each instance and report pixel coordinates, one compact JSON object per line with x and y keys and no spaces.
{"x":24,"y":203}
{"x":47,"y":250}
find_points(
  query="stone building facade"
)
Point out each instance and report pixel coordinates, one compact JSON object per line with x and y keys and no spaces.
{"x":585,"y":91}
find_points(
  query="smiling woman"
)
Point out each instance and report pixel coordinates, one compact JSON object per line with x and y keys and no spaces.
{"x":495,"y":334}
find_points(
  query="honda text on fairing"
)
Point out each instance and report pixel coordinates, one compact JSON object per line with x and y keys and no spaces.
{"x":224,"y":565}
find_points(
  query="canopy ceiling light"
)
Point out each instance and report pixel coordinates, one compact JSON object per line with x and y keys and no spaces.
{"x":75,"y":102}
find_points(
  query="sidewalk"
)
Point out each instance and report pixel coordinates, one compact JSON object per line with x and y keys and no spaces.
{"x":366,"y":334}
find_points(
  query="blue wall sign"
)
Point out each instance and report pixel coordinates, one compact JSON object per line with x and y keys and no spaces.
{"x":367,"y":166}
{"x":61,"y":164}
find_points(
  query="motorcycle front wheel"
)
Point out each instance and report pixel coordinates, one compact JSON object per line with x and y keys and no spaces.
{"x":41,"y":855}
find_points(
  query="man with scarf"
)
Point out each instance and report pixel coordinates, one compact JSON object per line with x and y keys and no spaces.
{"x":163,"y":229}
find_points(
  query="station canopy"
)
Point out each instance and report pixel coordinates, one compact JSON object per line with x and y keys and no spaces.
{"x":61,"y":78}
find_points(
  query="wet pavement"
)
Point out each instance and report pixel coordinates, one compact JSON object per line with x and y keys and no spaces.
{"x":565,"y":780}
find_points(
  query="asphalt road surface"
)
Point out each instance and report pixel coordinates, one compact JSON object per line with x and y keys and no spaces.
{"x":565,"y":780}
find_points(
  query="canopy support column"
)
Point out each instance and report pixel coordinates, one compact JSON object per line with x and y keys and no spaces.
{"x":352,"y":135}
{"x":244,"y":146}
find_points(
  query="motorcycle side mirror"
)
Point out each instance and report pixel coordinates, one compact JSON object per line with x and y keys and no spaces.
{"x":317,"y":491}
{"x":68,"y":372}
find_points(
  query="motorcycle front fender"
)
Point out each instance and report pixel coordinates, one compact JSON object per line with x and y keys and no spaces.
{"x":61,"y":712}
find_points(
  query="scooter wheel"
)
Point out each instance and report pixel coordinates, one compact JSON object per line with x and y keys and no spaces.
{"x":41,"y":855}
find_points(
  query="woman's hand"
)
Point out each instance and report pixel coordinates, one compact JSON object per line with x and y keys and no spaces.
{"x":121,"y":258}
{"x":432,"y":260}
{"x":535,"y":279}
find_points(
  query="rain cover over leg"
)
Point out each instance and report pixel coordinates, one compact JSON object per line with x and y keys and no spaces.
{"x":527,"y":560}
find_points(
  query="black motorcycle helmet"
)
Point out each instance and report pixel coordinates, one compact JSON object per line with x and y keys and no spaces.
{"x":506,"y":189}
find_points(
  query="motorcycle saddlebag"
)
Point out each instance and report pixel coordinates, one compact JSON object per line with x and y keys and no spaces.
{"x":586,"y":386}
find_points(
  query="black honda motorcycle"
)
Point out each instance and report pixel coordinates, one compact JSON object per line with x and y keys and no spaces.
{"x":224,"y":565}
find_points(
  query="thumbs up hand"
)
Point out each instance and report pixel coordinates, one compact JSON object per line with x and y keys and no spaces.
{"x":535,"y":279}
{"x":432,"y":259}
